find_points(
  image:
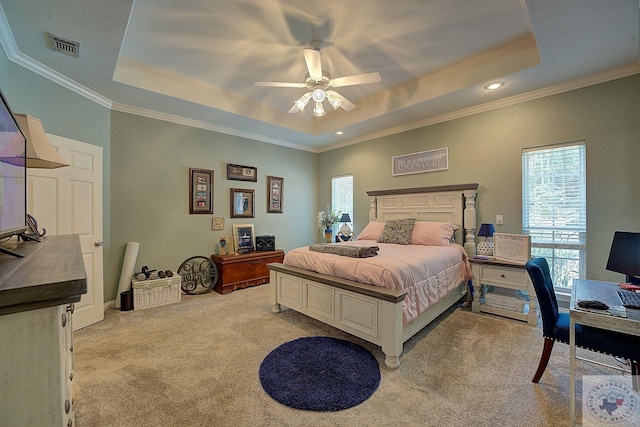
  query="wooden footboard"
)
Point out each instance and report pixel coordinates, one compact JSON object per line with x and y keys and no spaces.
{"x":368,"y":312}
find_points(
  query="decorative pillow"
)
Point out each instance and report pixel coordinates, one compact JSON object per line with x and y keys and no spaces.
{"x":372,"y":231}
{"x":397,"y":231}
{"x":432,"y":233}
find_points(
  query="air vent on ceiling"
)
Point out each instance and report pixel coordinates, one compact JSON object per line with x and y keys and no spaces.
{"x":61,"y":45}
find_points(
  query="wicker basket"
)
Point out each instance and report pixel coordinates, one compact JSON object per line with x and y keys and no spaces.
{"x":153,"y":293}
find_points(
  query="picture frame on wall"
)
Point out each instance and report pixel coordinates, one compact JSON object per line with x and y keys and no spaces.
{"x":275,"y":191}
{"x":242,"y":173}
{"x":200,"y":191}
{"x":243,"y":238}
{"x":242,"y":203}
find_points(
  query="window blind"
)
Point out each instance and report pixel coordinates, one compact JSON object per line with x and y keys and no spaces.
{"x":554,"y":195}
{"x":342,"y":194}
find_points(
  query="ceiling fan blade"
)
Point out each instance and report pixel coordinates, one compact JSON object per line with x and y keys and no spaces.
{"x":345,"y":104}
{"x":355,"y":79}
{"x":312,"y":58}
{"x":280,"y":84}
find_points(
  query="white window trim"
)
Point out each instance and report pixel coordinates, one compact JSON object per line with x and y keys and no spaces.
{"x":580,"y":244}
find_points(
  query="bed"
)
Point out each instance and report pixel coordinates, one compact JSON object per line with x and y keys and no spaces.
{"x":381,"y":315}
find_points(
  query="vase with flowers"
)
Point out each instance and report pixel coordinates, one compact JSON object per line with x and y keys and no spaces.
{"x":326,"y":219}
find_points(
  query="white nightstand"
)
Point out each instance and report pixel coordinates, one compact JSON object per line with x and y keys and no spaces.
{"x":503,"y":276}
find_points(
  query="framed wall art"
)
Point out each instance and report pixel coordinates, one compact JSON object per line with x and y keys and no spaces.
{"x":425,"y":161}
{"x":275,"y":192}
{"x":242,"y":173}
{"x":243,"y":238}
{"x":217,"y":223}
{"x":200,"y":191}
{"x":515,"y":248}
{"x":242,"y":203}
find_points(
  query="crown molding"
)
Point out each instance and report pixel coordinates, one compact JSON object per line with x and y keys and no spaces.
{"x":151,"y":114}
{"x":14,"y":55}
{"x":603,"y":77}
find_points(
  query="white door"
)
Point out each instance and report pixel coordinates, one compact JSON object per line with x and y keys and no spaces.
{"x":68,"y":200}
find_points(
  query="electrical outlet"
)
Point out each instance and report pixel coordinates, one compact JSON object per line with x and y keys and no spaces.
{"x":499,"y":219}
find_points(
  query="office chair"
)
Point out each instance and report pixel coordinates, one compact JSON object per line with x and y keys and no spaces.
{"x":555,"y":326}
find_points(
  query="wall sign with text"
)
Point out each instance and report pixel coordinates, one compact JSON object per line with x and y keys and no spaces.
{"x":425,"y":161}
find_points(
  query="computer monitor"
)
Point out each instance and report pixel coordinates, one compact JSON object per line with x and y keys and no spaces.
{"x":624,"y":256}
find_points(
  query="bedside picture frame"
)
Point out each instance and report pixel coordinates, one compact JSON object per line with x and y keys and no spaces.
{"x":242,"y":203}
{"x":513,"y":248}
{"x":200,"y":191}
{"x":275,"y":191}
{"x":243,"y":238}
{"x":242,"y":173}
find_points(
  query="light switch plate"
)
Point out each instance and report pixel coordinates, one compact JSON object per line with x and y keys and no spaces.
{"x":499,"y":219}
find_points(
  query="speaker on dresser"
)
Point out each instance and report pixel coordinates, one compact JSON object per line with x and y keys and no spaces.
{"x":265,"y":243}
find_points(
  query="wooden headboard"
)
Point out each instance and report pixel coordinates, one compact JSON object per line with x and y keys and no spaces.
{"x":446,"y":203}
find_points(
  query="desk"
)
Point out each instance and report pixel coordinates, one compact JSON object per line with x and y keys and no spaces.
{"x":601,"y":291}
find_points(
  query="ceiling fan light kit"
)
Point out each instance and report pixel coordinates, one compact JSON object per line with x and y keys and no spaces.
{"x":318,"y":111}
{"x":318,"y":84}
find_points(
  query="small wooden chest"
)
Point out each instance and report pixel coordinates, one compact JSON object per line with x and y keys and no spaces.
{"x":243,"y":271}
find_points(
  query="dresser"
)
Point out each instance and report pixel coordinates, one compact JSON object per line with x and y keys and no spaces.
{"x":245,"y":270}
{"x":37,"y":296}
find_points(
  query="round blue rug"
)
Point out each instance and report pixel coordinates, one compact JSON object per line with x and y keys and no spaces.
{"x":320,"y":374}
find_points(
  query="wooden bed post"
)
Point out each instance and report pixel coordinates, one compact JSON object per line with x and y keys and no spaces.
{"x":470,"y":222}
{"x":273,"y":280}
{"x":373,"y":208}
{"x":392,"y":341}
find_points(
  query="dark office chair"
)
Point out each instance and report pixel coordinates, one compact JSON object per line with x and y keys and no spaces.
{"x":555,"y":326}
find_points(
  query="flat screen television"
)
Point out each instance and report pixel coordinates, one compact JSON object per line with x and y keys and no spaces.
{"x":13,"y":178}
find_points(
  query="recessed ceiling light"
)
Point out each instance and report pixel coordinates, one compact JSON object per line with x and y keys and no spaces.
{"x":339,"y":132}
{"x":494,"y":86}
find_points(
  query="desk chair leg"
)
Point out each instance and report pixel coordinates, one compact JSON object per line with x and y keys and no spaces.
{"x":544,"y":359}
{"x":635,"y":376}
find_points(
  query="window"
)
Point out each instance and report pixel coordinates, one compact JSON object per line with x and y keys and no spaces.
{"x":342,"y":195}
{"x":554,"y":208}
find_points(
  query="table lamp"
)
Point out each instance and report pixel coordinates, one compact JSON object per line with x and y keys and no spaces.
{"x":485,"y":247}
{"x":345,"y":232}
{"x":624,"y":256}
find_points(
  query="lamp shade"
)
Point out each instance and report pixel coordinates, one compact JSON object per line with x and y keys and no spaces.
{"x":624,"y":256}
{"x":345,"y":218}
{"x":40,"y":153}
{"x":486,"y":230}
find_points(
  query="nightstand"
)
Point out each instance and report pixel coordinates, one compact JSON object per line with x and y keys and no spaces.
{"x":506,"y":279}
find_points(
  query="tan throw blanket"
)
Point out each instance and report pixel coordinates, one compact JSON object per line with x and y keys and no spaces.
{"x":343,"y":250}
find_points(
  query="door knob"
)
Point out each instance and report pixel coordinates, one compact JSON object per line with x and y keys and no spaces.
{"x":99,"y":243}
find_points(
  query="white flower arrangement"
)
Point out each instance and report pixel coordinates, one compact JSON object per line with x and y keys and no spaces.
{"x":327,"y":218}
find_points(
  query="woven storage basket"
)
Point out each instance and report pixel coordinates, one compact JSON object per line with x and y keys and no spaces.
{"x":152,"y":293}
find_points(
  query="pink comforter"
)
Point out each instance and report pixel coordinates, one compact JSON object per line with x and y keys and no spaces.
{"x":426,"y":272}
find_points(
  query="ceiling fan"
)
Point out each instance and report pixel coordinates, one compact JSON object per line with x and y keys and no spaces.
{"x":319,"y":85}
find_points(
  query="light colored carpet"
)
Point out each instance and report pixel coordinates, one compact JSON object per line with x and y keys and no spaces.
{"x":195,"y":363}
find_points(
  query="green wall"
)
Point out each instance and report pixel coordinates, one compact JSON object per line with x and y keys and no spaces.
{"x":66,"y":114}
{"x":150,"y":191}
{"x":486,"y":148}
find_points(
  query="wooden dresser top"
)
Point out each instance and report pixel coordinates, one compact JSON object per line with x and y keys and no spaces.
{"x":51,"y":273}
